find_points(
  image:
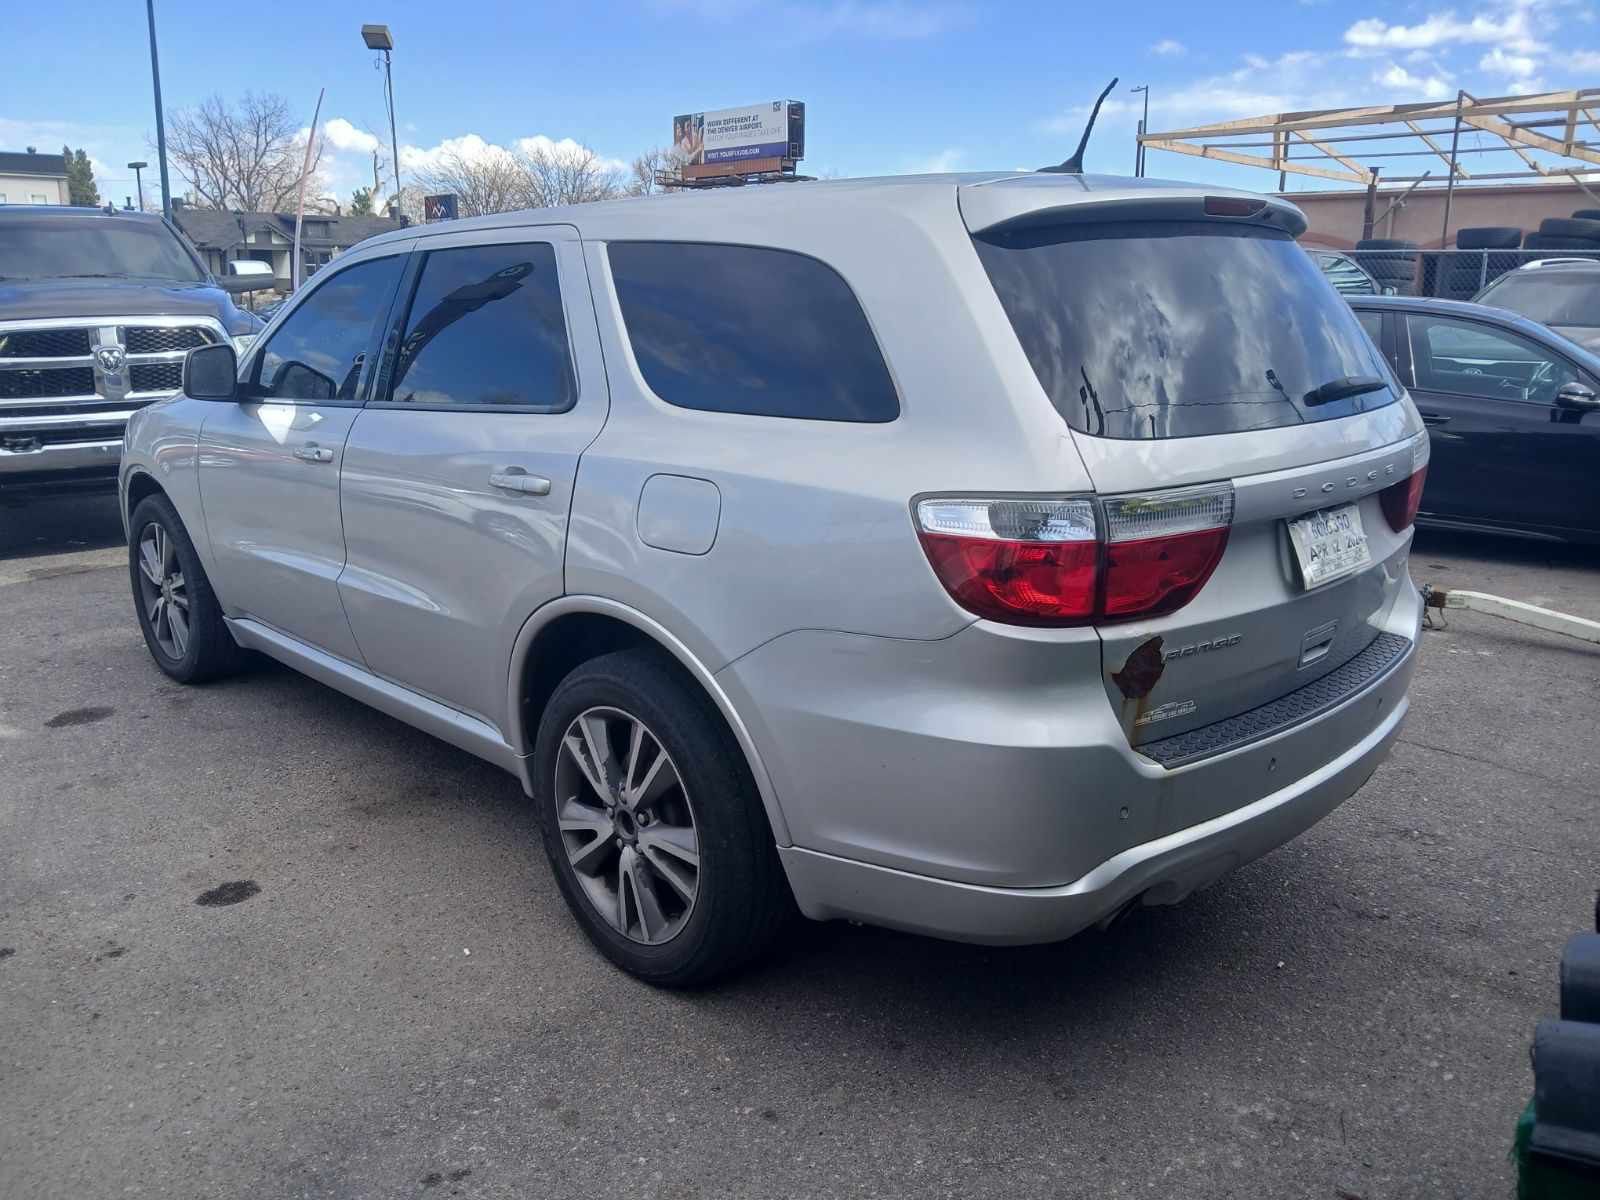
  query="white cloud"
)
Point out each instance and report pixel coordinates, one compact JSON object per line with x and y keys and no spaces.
{"x":1169,"y":48}
{"x":1583,"y":60}
{"x":342,"y":135}
{"x":1512,"y":29}
{"x":470,"y":147}
{"x":1428,"y":87}
{"x":1498,"y":62}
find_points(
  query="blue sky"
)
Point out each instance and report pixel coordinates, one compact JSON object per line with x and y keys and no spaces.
{"x":891,"y":85}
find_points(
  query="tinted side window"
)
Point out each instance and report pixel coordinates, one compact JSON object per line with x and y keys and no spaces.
{"x":486,"y":329}
{"x":319,"y":350}
{"x":1373,"y":323}
{"x":1478,"y":360}
{"x":742,"y":329}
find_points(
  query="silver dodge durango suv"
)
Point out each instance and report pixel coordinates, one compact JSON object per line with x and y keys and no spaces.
{"x":976,"y":555}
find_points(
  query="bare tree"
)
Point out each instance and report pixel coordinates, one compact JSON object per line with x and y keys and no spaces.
{"x":491,"y":182}
{"x":565,"y":175}
{"x":537,"y":176}
{"x":644,"y":174}
{"x":244,"y":158}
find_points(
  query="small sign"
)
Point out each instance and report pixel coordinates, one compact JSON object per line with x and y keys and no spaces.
{"x":440,"y":208}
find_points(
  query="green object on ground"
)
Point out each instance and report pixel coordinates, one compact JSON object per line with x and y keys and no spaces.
{"x":1541,"y":1178}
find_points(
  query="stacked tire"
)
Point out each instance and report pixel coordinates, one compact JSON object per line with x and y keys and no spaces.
{"x":1391,"y":262}
{"x":1463,"y":276}
{"x":1578,"y":232}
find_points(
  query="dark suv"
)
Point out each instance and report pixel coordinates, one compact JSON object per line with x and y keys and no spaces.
{"x":97,"y":310}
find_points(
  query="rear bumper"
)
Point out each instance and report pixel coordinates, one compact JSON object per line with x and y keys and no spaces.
{"x":1162,"y":871}
{"x":981,"y":788}
{"x":91,"y":462}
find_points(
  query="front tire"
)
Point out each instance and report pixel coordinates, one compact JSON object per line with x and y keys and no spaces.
{"x":177,"y":610}
{"x":653,"y":825}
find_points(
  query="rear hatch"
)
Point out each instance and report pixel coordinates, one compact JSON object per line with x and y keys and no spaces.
{"x":1195,"y":351}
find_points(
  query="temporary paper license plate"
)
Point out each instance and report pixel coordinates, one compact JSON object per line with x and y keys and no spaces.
{"x":1329,"y":544}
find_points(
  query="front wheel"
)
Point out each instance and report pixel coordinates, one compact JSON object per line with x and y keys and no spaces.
{"x":653,"y":825}
{"x":177,"y":610}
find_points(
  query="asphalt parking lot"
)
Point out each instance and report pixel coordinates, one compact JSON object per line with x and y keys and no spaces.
{"x":398,"y":1004}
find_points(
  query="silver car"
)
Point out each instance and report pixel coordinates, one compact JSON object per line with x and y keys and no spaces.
{"x":976,"y":555}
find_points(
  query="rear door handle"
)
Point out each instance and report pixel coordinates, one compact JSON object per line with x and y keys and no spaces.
{"x":515,"y":479}
{"x":1430,"y":418}
{"x":311,"y":452}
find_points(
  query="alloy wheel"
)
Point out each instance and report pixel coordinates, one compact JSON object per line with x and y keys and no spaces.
{"x":627,"y":825}
{"x":162,"y":590}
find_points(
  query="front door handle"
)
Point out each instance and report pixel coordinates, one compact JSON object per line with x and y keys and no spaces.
{"x":1432,"y":418}
{"x":311,"y":452}
{"x":516,"y":479}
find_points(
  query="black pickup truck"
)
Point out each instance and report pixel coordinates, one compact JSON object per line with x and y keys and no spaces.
{"x":97,"y":310}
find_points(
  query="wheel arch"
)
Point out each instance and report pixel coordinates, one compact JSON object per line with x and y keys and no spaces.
{"x":139,"y":484}
{"x":572,"y":630}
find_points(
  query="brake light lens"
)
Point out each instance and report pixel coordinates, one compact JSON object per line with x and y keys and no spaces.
{"x":1076,"y":561}
{"x":1400,"y":501}
{"x":1025,"y":562}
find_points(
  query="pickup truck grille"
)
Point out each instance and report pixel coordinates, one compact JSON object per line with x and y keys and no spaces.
{"x":75,"y":383}
{"x":51,"y":382}
{"x":44,"y":343}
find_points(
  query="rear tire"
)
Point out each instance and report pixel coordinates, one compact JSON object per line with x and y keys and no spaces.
{"x":177,"y":610}
{"x":676,"y":882}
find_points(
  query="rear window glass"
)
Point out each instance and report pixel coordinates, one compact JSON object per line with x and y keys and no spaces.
{"x":1178,"y":329}
{"x":1555,"y":298}
{"x":742,"y":329}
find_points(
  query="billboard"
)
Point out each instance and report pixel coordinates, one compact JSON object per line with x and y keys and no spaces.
{"x":776,"y":129}
{"x":439,"y":208}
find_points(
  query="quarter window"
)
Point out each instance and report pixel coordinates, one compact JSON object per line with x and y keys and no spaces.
{"x":318,"y":352}
{"x":742,"y":329}
{"x":486,"y":330}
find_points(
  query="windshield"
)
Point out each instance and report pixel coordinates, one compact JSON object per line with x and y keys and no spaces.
{"x":1178,"y":329}
{"x":56,"y":247}
{"x":1556,"y":298}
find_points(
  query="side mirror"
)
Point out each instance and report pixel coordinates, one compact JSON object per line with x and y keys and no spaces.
{"x":211,"y":373}
{"x":1577,"y":395}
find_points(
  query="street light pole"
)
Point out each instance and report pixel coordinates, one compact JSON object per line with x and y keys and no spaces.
{"x":138,"y":180}
{"x":161,"y":126}
{"x":377,"y":37}
{"x":1144,"y":127}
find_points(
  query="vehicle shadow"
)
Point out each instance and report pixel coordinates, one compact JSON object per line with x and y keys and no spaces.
{"x":1509,"y":551}
{"x":33,"y":526}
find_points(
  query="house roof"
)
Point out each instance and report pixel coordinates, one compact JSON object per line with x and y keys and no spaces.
{"x":51,"y":165}
{"x":210,"y":229}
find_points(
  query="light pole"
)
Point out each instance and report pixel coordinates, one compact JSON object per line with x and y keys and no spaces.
{"x":377,"y":38}
{"x":1144,"y":127}
{"x":161,"y":126}
{"x":138,"y":180}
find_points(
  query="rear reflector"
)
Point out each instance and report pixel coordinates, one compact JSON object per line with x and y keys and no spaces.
{"x":1040,"y":561}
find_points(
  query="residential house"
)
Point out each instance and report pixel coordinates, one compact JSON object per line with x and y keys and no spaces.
{"x":33,"y":178}
{"x":224,"y":237}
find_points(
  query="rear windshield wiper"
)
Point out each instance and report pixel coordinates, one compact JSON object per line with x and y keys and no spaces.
{"x":1343,"y":388}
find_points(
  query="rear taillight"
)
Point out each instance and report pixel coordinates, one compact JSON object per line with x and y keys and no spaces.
{"x":1400,"y":501}
{"x":1076,"y":561}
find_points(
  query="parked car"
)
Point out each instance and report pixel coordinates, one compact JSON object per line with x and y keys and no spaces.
{"x":1346,"y":275}
{"x":97,"y":309}
{"x":974,"y":555}
{"x":1512,"y":409}
{"x":1563,"y":293}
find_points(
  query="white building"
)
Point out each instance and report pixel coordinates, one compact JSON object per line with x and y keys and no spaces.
{"x":32,"y":178}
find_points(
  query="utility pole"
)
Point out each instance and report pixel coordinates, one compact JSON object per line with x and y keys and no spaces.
{"x":161,"y":126}
{"x":1144,"y":127}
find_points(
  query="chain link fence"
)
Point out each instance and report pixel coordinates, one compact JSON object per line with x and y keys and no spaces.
{"x":1449,"y":274}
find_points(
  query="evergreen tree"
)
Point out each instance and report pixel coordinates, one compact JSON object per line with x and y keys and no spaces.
{"x":81,"y":187}
{"x":361,"y":202}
